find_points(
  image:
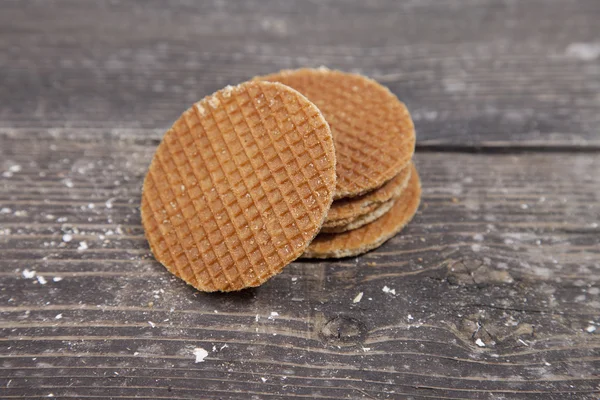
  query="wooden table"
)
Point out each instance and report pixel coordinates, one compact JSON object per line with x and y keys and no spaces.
{"x":496,"y":291}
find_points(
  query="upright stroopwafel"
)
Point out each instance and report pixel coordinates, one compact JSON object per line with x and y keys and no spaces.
{"x":344,"y":211}
{"x":368,"y":237}
{"x":372,"y":130}
{"x":239,"y":186}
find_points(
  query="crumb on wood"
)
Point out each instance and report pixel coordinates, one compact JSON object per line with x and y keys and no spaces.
{"x":386,"y":289}
{"x":27,"y":274}
{"x":358,"y":298}
{"x":200,"y":354}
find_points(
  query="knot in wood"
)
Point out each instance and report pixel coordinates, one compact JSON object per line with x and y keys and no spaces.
{"x":343,"y":329}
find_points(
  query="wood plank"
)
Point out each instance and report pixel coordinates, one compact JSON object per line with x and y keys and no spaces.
{"x":473,"y":72}
{"x":497,"y":290}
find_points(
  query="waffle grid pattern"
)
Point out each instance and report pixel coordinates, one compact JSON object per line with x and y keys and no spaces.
{"x":370,"y":236}
{"x":239,"y":186}
{"x":373,"y":132}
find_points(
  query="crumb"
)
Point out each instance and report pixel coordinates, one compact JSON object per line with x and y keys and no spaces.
{"x":590,"y":329}
{"x":372,"y":264}
{"x":358,"y":298}
{"x":57,"y":279}
{"x":58,"y":316}
{"x":28,"y":274}
{"x":226,"y":92}
{"x":41,"y":280}
{"x":67,"y":238}
{"x":479,"y":343}
{"x":82,"y":246}
{"x":152,"y":324}
{"x":388,"y":290}
{"x":200,"y":354}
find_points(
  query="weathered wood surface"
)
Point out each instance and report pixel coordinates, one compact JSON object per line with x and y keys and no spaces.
{"x":496,"y":281}
{"x":472,"y":72}
{"x":505,"y":249}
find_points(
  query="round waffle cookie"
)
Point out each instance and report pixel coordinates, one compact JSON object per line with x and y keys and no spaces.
{"x":344,"y":211}
{"x":373,"y":133}
{"x":368,"y":237}
{"x":239,"y":186}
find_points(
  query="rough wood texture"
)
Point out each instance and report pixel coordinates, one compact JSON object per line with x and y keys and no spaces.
{"x":505,"y":249}
{"x":493,"y":291}
{"x":472,"y":72}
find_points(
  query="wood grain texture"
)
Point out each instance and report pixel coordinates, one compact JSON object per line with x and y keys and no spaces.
{"x":472,"y":72}
{"x":505,"y":250}
{"x":493,"y":291}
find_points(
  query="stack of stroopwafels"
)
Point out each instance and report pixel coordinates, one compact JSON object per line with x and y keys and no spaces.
{"x":247,"y":177}
{"x":378,"y":188}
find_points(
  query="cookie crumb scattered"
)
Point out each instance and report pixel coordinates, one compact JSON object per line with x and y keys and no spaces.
{"x":358,"y":298}
{"x":388,"y":290}
{"x":28,"y":274}
{"x":200,"y":354}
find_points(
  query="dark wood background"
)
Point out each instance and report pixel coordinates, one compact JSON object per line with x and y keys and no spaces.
{"x":496,"y":281}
